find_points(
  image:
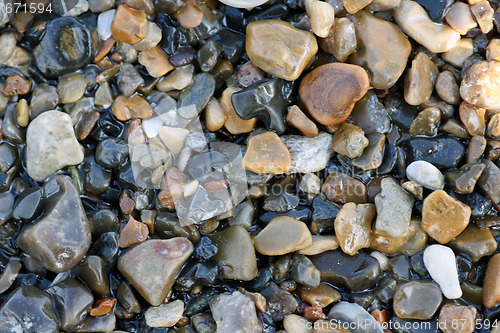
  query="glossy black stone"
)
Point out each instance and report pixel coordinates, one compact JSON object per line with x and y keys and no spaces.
{"x":437,"y":9}
{"x":385,"y":289}
{"x":103,"y":220}
{"x":208,"y":55}
{"x":479,"y":204}
{"x":111,"y":153}
{"x":29,"y":204}
{"x":96,"y":179}
{"x":197,"y":273}
{"x":264,"y":100}
{"x":280,"y":302}
{"x":200,"y":302}
{"x":303,"y":214}
{"x":173,"y":35}
{"x":278,"y":11}
{"x":234,"y":19}
{"x":107,"y":248}
{"x":260,"y":281}
{"x":281,"y":203}
{"x":356,"y":273}
{"x":8,"y":156}
{"x":205,"y":249}
{"x":400,"y":112}
{"x":233,"y":44}
{"x":444,"y":152}
{"x":324,"y":213}
{"x":400,"y":267}
{"x":67,"y":45}
{"x":107,"y":127}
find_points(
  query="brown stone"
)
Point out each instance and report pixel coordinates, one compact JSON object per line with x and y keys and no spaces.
{"x":104,"y":49}
{"x":456,"y":128}
{"x":493,"y":50}
{"x":322,"y":295}
{"x":473,"y":118}
{"x":279,"y":48}
{"x":155,"y":61}
{"x":491,"y":284}
{"x":447,"y":88}
{"x":477,"y":145}
{"x":330,"y":91}
{"x":126,"y":108}
{"x":313,"y":313}
{"x":129,"y":25}
{"x":459,"y":17}
{"x":214,"y":115}
{"x":281,"y":236}
{"x":189,"y":15}
{"x":126,"y":203}
{"x":383,"y":317}
{"x":493,"y":150}
{"x":354,"y":6}
{"x":339,"y":187}
{"x":476,"y":242}
{"x":383,"y":49}
{"x":249,"y":74}
{"x":481,"y":85}
{"x":102,"y":306}
{"x":173,"y":180}
{"x":426,"y":122}
{"x":341,"y":42}
{"x":133,"y":233}
{"x":493,"y":130}
{"x":353,"y":225}
{"x":444,"y":217}
{"x":419,"y":81}
{"x":483,"y":13}
{"x":234,"y":124}
{"x":349,"y":140}
{"x":457,"y":318}
{"x":86,"y":124}
{"x":15,"y":84}
{"x":296,"y":118}
{"x":266,"y":153}
{"x":415,"y":241}
{"x":373,"y":154}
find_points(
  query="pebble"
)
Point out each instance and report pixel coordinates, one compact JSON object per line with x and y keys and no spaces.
{"x":22,"y":112}
{"x":351,"y":314}
{"x":126,"y":108}
{"x":129,"y":25}
{"x":151,"y":267}
{"x":341,"y":41}
{"x":444,"y":217}
{"x":356,"y":273}
{"x":134,"y":232}
{"x":179,"y":79}
{"x":281,"y":236}
{"x":67,"y":45}
{"x":280,"y":302}
{"x":235,"y":313}
{"x":441,"y":264}
{"x":420,"y":79}
{"x":98,"y":6}
{"x":342,"y":188}
{"x":104,"y":21}
{"x":263,"y":100}
{"x":25,"y":304}
{"x":425,"y":174}
{"x":489,"y":181}
{"x":155,"y":61}
{"x":287,"y":49}
{"x":164,"y":315}
{"x":459,"y":54}
{"x":198,"y":93}
{"x":332,"y":103}
{"x":71,"y":88}
{"x":373,"y":154}
{"x":447,"y":88}
{"x":481,"y":85}
{"x":321,"y":15}
{"x":417,"y":300}
{"x":72,"y":302}
{"x":415,"y":22}
{"x":382,"y":49}
{"x":349,"y":140}
{"x":236,"y":254}
{"x":111,"y":153}
{"x":28,"y":204}
{"x":173,"y":138}
{"x":69,"y":240}
{"x":44,"y":97}
{"x":475,"y":242}
{"x":322,"y":295}
{"x":464,"y":316}
{"x":442,"y":152}
{"x":296,"y":118}
{"x":320,"y":244}
{"x":266,"y":153}
{"x":7,"y":45}
{"x":303,"y":271}
{"x":493,"y":50}
{"x":483,"y":13}
{"x":15,"y":84}
{"x":464,"y":179}
{"x":296,"y":324}
{"x":493,"y":130}
{"x":371,"y":115}
{"x":459,"y":17}
{"x":248,"y":74}
{"x":353,"y":226}
{"x":152,"y":38}
{"x":308,"y":154}
{"x":129,"y":79}
{"x":477,"y":146}
{"x":394,"y":207}
{"x":102,"y":306}
{"x":51,"y":145}
{"x":234,"y":124}
{"x":491,"y":284}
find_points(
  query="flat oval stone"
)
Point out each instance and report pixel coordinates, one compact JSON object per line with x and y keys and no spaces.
{"x":443,"y":152}
{"x":476,"y":242}
{"x":67,"y":45}
{"x":280,"y":49}
{"x":444,"y":217}
{"x":356,"y":273}
{"x":491,"y":284}
{"x":266,"y":153}
{"x":281,"y":236}
{"x":330,"y":91}
{"x":481,"y":85}
{"x":417,"y":300}
{"x":425,"y":174}
{"x":61,"y":238}
{"x":164,"y":315}
{"x":151,"y":267}
{"x":420,"y":79}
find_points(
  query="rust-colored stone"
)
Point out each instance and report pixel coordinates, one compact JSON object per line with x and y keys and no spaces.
{"x":189,"y":15}
{"x":104,"y":49}
{"x":299,"y":120}
{"x":102,"y":306}
{"x":129,"y":25}
{"x":126,"y":108}
{"x":133,"y":233}
{"x":491,"y":284}
{"x":15,"y":84}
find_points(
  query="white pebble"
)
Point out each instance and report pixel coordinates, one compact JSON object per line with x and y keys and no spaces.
{"x":382,"y":259}
{"x":442,"y":266}
{"x":151,"y":126}
{"x":104,"y":24}
{"x":425,"y":174}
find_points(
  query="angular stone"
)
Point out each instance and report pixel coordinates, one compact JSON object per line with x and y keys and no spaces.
{"x":236,"y":254}
{"x":342,"y":188}
{"x":308,"y":154}
{"x":420,"y":79}
{"x":128,"y":79}
{"x":417,"y":300}
{"x":151,"y":267}
{"x":447,"y":87}
{"x":356,"y":273}
{"x":320,"y":244}
{"x":483,"y":13}
{"x":442,"y":152}
{"x":281,"y":236}
{"x":371,"y":115}
{"x":330,"y":91}
{"x":126,"y":108}
{"x":441,"y":264}
{"x":129,"y":25}
{"x":425,"y":174}
{"x":373,"y":155}
{"x":280,"y":49}
{"x":296,"y":118}
{"x":51,"y":145}
{"x":464,"y":179}
{"x":473,"y":118}
{"x":353,"y":226}
{"x":394,"y":207}
{"x":341,"y":42}
{"x":234,"y":312}
{"x":349,"y":140}
{"x":155,"y":61}
{"x":61,"y":238}
{"x":415,"y":241}
{"x":481,"y":85}
{"x":489,"y":182}
{"x":426,"y":123}
{"x":493,"y":130}
{"x":444,"y":217}
{"x":234,"y":124}
{"x":322,"y":16}
{"x":382,"y":49}
{"x":134,"y":232}
{"x":198,"y":93}
{"x":459,"y":17}
{"x":189,"y":15}
{"x":266,"y":153}
{"x":279,"y":302}
{"x":460,"y":53}
{"x":491,"y":284}
{"x":164,"y":315}
{"x":475,"y":242}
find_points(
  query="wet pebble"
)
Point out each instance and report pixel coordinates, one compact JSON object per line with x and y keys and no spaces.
{"x":296,"y":118}
{"x":443,"y":152}
{"x":308,"y":154}
{"x":266,"y":153}
{"x":425,"y":174}
{"x":441,"y":264}
{"x":417,"y":300}
{"x":353,"y":226}
{"x":491,"y":284}
{"x":465,"y":315}
{"x":164,"y":315}
{"x":235,"y":312}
